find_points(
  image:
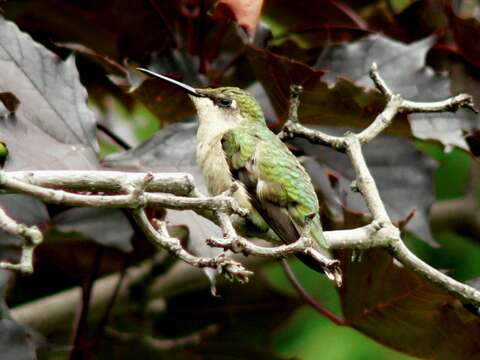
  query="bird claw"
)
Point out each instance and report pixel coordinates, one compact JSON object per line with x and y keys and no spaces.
{"x":331,"y":267}
{"x":334,"y":272}
{"x":233,"y":204}
{"x":232,"y":270}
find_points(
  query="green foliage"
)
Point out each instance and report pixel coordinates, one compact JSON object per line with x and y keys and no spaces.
{"x":308,"y":335}
{"x":452,"y":174}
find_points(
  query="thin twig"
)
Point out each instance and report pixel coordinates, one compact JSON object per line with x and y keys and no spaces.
{"x":79,"y":334}
{"x":225,"y":266}
{"x":292,"y":127}
{"x":379,"y":82}
{"x":164,"y":344}
{"x":100,"y":329}
{"x":117,"y":139}
{"x":338,"y":320}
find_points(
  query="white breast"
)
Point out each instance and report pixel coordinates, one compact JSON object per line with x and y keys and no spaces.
{"x":210,"y":156}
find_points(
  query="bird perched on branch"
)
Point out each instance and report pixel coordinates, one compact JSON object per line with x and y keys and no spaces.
{"x":235,"y":145}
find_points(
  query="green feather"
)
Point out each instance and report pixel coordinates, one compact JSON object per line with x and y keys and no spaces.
{"x":274,"y":178}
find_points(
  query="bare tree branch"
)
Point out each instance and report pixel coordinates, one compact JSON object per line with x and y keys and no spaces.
{"x":381,"y":232}
{"x":61,"y":187}
{"x":57,"y":186}
{"x":304,"y":244}
{"x":103,"y":181}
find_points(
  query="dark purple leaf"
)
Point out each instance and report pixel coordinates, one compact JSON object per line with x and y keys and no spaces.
{"x":404,"y":177}
{"x":117,"y":29}
{"x":17,"y":342}
{"x":466,"y":31}
{"x":167,"y":102}
{"x":172,"y":149}
{"x":25,"y":210}
{"x":396,"y":307}
{"x":52,"y":127}
{"x":404,"y":70}
{"x":310,"y":14}
{"x":344,"y":105}
{"x":108,"y":227}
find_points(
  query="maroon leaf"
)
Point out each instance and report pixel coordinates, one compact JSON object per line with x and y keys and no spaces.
{"x":119,"y":29}
{"x":421,"y":19}
{"x":407,"y":20}
{"x":416,"y":81}
{"x":344,"y":104}
{"x":466,"y":31}
{"x":399,"y":309}
{"x":108,"y":227}
{"x":311,"y":14}
{"x":165,"y":101}
{"x":16,"y":340}
{"x":52,"y":127}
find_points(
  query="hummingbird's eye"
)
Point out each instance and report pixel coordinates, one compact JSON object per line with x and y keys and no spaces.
{"x":225,"y":102}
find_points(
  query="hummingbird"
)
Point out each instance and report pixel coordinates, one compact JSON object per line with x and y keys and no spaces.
{"x":234,"y":145}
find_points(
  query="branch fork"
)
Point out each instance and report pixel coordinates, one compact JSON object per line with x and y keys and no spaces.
{"x":134,"y":191}
{"x":381,"y":232}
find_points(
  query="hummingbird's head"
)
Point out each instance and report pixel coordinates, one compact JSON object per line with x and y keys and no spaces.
{"x":229,"y":104}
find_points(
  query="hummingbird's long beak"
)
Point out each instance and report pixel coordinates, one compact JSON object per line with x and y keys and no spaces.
{"x":190,"y":90}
